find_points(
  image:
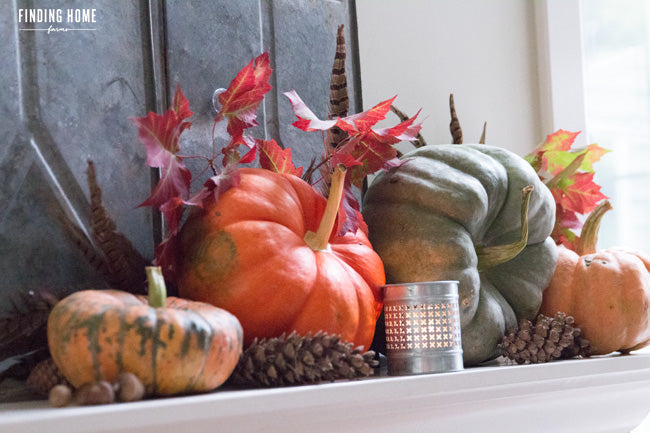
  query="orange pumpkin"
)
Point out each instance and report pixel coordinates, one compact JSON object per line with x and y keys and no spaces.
{"x":270,"y":252}
{"x":607,"y":291}
{"x":172,"y":345}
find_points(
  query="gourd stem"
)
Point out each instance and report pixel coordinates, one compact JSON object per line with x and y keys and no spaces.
{"x":320,"y":240}
{"x":157,"y":289}
{"x":498,"y":254}
{"x":589,"y":234}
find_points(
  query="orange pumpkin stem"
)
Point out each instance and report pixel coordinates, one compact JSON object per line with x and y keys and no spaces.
{"x":319,"y":241}
{"x":589,"y":234}
{"x":157,"y":290}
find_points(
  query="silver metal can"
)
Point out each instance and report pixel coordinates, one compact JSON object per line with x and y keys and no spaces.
{"x":422,"y":327}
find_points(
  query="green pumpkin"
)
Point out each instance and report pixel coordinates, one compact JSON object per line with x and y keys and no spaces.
{"x":455,"y":212}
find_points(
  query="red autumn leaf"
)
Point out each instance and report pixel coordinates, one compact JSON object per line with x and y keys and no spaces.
{"x":249,"y":156}
{"x":167,"y":257}
{"x":160,"y":135}
{"x":344,"y":158}
{"x":372,"y":152}
{"x":222,"y":182}
{"x":350,"y":211}
{"x":565,"y":221}
{"x":172,"y":210}
{"x":231,"y":151}
{"x":567,"y":238}
{"x":354,"y":124}
{"x":166,"y":253}
{"x":367,"y":119}
{"x":243,"y":96}
{"x":174,"y":182}
{"x":405,"y":131}
{"x":560,"y":140}
{"x":374,"y":148}
{"x":567,"y":218}
{"x":580,"y":193}
{"x":277,"y":159}
{"x":307,"y":120}
{"x":569,"y":175}
{"x":181,"y":105}
{"x":370,"y":149}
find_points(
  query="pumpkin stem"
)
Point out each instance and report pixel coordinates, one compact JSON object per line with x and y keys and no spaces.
{"x":589,"y":234}
{"x":157,"y":289}
{"x":498,"y":254}
{"x":320,"y":240}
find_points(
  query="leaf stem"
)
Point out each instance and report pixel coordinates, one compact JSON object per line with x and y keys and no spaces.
{"x":214,"y":128}
{"x":498,"y":254}
{"x":589,"y":234}
{"x":320,"y":164}
{"x":319,"y":241}
{"x":193,"y":157}
{"x":157,"y":290}
{"x":567,"y":172}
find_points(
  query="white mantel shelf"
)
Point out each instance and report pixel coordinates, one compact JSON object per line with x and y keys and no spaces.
{"x":602,"y":394}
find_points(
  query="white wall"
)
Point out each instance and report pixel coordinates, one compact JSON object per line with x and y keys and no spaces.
{"x":484,"y":52}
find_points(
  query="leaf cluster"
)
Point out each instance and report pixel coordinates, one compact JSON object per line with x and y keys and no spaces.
{"x":569,"y":174}
{"x":363,"y":149}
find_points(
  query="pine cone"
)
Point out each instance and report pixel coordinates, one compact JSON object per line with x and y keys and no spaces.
{"x":545,"y":339}
{"x":298,"y":360}
{"x":44,"y":376}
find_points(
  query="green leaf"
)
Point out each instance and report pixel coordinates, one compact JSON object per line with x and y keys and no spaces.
{"x":594,"y":153}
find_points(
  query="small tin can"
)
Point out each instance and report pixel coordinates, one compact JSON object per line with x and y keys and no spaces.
{"x":422,"y":327}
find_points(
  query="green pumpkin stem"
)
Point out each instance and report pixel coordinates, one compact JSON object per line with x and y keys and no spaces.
{"x":589,"y":234}
{"x":320,"y":240}
{"x":157,"y":289}
{"x":498,"y":254}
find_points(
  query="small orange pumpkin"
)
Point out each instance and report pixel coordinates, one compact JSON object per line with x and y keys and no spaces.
{"x":172,"y":345}
{"x":270,"y":252}
{"x":607,"y":291}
